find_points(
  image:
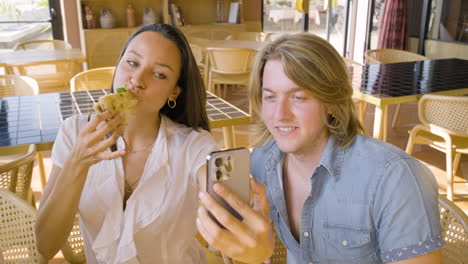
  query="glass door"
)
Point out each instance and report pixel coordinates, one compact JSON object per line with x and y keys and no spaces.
{"x":281,"y":16}
{"x":330,"y":20}
{"x":25,"y":20}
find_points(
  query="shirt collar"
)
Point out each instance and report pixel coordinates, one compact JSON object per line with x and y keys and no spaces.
{"x":331,"y":160}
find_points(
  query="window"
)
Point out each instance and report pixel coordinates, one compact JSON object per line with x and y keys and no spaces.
{"x":449,"y":20}
{"x":25,"y":20}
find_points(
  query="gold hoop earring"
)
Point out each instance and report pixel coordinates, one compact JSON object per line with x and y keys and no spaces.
{"x":171,"y":103}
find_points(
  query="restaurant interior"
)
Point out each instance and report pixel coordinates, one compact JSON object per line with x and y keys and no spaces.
{"x":407,"y":61}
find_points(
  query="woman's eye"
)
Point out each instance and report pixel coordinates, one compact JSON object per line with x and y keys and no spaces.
{"x":298,"y":98}
{"x":268,"y":97}
{"x":159,"y":75}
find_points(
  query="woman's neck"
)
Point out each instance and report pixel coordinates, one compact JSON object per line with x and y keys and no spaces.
{"x":142,"y":130}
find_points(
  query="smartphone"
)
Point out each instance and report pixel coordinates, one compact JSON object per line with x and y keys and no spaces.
{"x":230,"y":167}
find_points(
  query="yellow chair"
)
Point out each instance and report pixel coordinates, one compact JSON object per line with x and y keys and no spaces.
{"x":51,"y":76}
{"x":16,"y":175}
{"x":17,"y":239}
{"x":454,"y":231}
{"x":43,"y":44}
{"x":15,"y":85}
{"x":73,"y":249}
{"x":250,"y":36}
{"x":5,"y":69}
{"x":229,"y":66}
{"x":386,"y":56}
{"x":444,"y":126}
{"x":199,"y":55}
{"x":94,"y":79}
{"x":359,"y":103}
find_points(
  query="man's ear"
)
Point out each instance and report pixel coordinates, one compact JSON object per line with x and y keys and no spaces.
{"x":175,"y":93}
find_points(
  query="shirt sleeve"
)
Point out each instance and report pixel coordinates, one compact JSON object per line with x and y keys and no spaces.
{"x":66,"y":137}
{"x":406,"y":212}
{"x":201,"y":145}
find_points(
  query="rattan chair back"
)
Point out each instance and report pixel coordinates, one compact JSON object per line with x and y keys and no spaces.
{"x":5,"y":69}
{"x":94,"y":79}
{"x":50,"y":75}
{"x":17,"y":236}
{"x":448,"y":113}
{"x":73,"y":249}
{"x":43,"y":44}
{"x":16,"y":175}
{"x":454,"y":227}
{"x":385,"y":56}
{"x":15,"y":85}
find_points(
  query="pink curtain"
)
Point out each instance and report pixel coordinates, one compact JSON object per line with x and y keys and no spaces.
{"x":393,"y":25}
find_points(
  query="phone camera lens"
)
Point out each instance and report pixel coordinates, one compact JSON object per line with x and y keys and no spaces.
{"x":219,"y":174}
{"x":218,"y":162}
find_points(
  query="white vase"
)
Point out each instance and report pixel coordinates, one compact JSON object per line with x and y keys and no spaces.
{"x":106,"y":18}
{"x":149,"y":16}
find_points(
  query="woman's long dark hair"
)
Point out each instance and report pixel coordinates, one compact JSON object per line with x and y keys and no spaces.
{"x":191,"y":102}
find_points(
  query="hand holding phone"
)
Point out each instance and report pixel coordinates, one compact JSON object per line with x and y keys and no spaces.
{"x":230,"y":167}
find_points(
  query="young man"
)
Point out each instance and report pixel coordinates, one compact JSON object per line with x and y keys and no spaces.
{"x":334,"y":195}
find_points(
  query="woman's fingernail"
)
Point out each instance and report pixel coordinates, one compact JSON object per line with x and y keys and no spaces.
{"x":200,"y":210}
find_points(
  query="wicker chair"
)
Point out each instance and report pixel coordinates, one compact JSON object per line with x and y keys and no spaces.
{"x":16,"y":175}
{"x":454,"y":225}
{"x":17,"y":237}
{"x":199,"y":55}
{"x":73,"y":249}
{"x":386,"y":56}
{"x":229,"y":66}
{"x":5,"y":69}
{"x":359,"y":103}
{"x":94,"y":79}
{"x":51,"y":76}
{"x":15,"y":85}
{"x":445,"y":128}
{"x":43,"y":44}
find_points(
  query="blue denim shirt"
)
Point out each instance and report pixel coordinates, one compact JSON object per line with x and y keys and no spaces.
{"x":369,"y":203}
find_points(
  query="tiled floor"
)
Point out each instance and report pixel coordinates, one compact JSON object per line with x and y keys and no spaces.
{"x":435,"y":160}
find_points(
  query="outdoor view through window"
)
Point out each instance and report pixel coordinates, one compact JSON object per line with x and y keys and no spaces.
{"x":23,"y":20}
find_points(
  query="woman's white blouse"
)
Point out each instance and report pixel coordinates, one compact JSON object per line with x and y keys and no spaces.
{"x":158,"y":224}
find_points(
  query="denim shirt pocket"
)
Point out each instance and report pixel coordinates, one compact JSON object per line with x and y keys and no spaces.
{"x":348,"y":244}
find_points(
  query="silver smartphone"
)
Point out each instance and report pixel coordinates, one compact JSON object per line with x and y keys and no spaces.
{"x":230,"y":167}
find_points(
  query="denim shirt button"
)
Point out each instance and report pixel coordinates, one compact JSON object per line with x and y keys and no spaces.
{"x":344,"y":243}
{"x":306,"y":234}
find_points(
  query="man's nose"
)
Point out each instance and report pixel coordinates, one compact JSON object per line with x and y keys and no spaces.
{"x":283,"y":109}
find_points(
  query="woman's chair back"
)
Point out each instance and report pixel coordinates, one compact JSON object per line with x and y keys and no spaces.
{"x":385,"y":56}
{"x":454,"y":225}
{"x":16,"y":175}
{"x":43,"y":44}
{"x":94,"y":79}
{"x":15,"y":85}
{"x":5,"y":69}
{"x":17,"y":239}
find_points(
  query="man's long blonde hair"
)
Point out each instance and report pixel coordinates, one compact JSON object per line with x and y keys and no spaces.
{"x":313,"y":64}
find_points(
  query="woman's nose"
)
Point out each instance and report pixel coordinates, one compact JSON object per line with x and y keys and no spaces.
{"x":136,"y":80}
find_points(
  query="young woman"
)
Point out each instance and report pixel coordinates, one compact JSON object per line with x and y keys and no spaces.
{"x":334,"y":195}
{"x":136,"y":203}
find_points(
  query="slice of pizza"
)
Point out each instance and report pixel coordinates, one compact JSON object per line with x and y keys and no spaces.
{"x":122,"y":101}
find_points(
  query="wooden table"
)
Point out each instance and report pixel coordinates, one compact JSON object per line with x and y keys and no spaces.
{"x":36,"y":119}
{"x":386,"y":84}
{"x":29,"y":56}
